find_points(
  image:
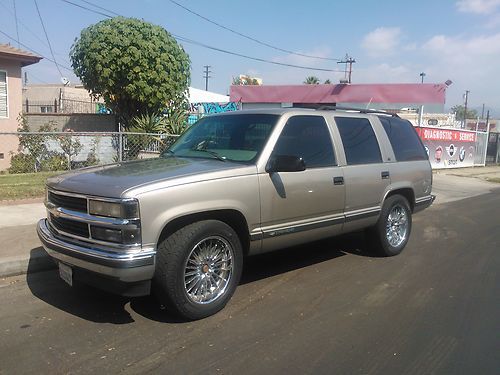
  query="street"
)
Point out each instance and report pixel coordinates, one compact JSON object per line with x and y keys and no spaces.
{"x":328,"y":307}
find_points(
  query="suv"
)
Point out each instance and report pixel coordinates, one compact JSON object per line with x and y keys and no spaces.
{"x":235,"y":184}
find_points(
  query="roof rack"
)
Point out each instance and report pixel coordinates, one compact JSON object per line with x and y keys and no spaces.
{"x":360,"y":110}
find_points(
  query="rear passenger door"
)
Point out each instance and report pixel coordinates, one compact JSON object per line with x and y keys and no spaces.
{"x":365,"y":174}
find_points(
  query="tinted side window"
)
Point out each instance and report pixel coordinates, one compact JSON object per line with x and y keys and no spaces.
{"x":404,"y":139}
{"x":307,"y":137}
{"x":360,"y":143}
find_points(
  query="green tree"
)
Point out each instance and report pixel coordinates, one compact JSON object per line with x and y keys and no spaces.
{"x":328,"y":82}
{"x":459,"y":111}
{"x":311,"y":80}
{"x":135,"y":66}
{"x":245,"y":81}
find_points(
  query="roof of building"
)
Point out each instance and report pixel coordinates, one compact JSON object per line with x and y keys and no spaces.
{"x":26,"y":58}
{"x":341,"y":93}
{"x":202,"y":96}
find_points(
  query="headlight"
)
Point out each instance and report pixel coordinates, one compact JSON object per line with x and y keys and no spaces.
{"x":125,"y":210}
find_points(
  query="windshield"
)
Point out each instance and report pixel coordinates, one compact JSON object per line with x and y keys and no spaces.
{"x":238,"y":138}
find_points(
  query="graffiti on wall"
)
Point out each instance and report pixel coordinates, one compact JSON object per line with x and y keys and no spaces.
{"x":209,"y":108}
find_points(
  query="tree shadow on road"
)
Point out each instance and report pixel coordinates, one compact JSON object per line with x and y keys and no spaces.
{"x":101,"y":307}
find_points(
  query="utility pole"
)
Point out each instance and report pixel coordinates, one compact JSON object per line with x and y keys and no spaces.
{"x":465,"y":109}
{"x":348,"y":60}
{"x":422,"y":75}
{"x":482,"y":112}
{"x":206,"y":75}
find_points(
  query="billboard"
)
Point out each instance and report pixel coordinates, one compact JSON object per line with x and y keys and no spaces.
{"x":448,"y":148}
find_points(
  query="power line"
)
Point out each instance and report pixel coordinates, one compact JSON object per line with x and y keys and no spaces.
{"x":35,"y":52}
{"x":48,"y":40}
{"x":249,"y":37}
{"x":99,"y":7}
{"x":183,"y":39}
{"x":90,"y":10}
{"x":187,"y":40}
{"x":30,"y":31}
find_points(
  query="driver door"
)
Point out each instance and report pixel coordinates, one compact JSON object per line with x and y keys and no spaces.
{"x":297,"y":207}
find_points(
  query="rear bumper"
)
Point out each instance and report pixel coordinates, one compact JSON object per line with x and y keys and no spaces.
{"x":94,"y":264}
{"x":423,"y":203}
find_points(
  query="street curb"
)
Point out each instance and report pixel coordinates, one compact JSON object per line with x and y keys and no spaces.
{"x":38,"y":261}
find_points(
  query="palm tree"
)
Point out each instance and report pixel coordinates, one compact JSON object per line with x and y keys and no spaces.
{"x":328,"y":82}
{"x":312,"y":80}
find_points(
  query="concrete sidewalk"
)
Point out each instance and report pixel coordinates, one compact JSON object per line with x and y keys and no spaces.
{"x":21,"y":251}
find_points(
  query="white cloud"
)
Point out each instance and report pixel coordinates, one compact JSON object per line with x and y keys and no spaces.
{"x":477,"y":6}
{"x":460,"y":47}
{"x":382,"y":41}
{"x":470,"y":62}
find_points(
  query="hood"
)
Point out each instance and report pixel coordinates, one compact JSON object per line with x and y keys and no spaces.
{"x":114,"y":180}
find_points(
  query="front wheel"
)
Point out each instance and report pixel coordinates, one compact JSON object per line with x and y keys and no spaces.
{"x":198,"y":268}
{"x":392,"y":231}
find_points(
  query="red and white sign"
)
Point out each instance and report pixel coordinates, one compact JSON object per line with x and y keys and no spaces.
{"x":448,"y":148}
{"x":433,"y":134}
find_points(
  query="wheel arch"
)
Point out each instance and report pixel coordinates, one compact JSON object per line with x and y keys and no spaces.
{"x":406,"y":192}
{"x":234,"y":218}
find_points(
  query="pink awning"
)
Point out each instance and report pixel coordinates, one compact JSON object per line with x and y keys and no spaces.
{"x":354,"y":93}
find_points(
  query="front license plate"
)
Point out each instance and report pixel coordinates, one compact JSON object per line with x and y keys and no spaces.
{"x":66,"y":273}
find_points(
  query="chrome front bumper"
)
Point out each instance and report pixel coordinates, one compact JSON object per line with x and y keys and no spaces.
{"x":126,"y":267}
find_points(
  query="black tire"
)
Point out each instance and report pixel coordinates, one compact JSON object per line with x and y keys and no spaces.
{"x":383,"y":243}
{"x":176,"y":257}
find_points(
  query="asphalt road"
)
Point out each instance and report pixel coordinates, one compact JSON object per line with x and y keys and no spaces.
{"x":329,"y":307}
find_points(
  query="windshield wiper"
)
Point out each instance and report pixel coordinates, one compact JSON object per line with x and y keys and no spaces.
{"x":213,"y":153}
{"x":169,"y":152}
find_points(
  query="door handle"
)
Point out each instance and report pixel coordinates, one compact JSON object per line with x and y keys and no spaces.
{"x":385,"y":175}
{"x":338,"y":180}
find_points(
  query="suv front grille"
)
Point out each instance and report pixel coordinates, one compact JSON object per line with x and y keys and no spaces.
{"x":68,"y":202}
{"x":70,"y":226}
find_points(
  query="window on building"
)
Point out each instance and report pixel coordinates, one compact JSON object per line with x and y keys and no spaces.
{"x":359,"y":140}
{"x":46,"y":109}
{"x":404,"y":139}
{"x":307,"y":137}
{"x":4,"y":112}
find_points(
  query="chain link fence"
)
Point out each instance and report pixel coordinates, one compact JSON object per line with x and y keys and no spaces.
{"x":65,"y":106}
{"x":28,"y":152}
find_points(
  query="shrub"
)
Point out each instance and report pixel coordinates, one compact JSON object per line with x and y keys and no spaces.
{"x":23,"y":163}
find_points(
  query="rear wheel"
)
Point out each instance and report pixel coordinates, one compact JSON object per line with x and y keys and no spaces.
{"x":392,"y":231}
{"x":198,"y":268}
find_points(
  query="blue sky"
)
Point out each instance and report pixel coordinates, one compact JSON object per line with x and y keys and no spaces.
{"x":392,"y":41}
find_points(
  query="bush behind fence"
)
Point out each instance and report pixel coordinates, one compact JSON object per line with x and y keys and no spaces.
{"x":59,"y":151}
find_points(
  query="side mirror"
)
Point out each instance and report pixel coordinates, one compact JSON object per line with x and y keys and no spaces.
{"x":285,"y":163}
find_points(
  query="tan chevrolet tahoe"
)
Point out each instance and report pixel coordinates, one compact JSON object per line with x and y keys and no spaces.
{"x":234,"y":185}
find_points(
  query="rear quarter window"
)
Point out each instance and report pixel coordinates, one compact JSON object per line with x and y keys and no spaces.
{"x":404,"y":139}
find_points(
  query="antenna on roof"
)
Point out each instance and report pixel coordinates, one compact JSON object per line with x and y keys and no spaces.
{"x":65,"y":81}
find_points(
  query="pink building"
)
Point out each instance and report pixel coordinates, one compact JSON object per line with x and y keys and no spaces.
{"x":11,"y":62}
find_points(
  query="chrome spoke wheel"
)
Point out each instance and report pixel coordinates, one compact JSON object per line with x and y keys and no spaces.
{"x":397,"y":226}
{"x":208,"y":270}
